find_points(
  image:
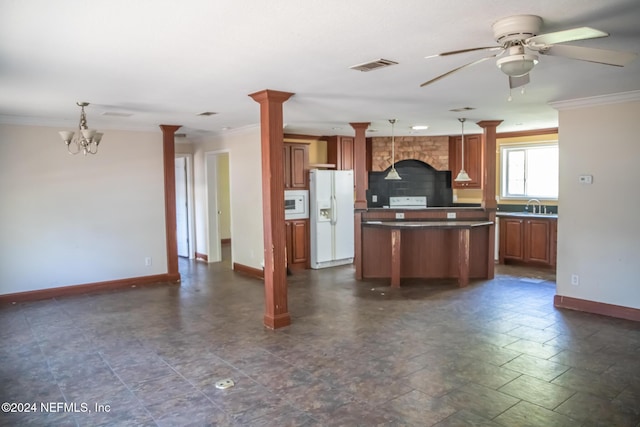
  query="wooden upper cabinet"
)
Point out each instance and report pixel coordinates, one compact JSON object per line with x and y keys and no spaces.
{"x":340,"y":152}
{"x":472,"y":160}
{"x":296,"y":165}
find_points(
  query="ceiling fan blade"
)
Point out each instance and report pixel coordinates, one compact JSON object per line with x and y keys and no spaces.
{"x":515,"y":82}
{"x":581,"y":33}
{"x":457,"y":69}
{"x":455,"y":52}
{"x":600,"y":56}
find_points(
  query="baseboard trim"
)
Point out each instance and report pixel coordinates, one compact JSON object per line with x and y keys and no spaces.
{"x":250,"y":271}
{"x":225,"y":241}
{"x":202,"y":257}
{"x":109,"y":285}
{"x":277,"y":321}
{"x":595,"y":307}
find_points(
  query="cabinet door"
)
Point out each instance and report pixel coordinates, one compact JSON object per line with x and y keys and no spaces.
{"x":472,"y":160}
{"x":512,"y":238}
{"x":299,"y":246}
{"x":299,"y":161}
{"x":286,"y":162}
{"x":346,"y":153}
{"x":538,"y":245}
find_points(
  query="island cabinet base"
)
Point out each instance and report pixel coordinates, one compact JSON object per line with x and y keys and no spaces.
{"x":429,"y":253}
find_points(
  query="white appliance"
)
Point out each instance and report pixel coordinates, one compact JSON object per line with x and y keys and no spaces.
{"x":332,"y":229}
{"x":408,"y":202}
{"x":296,"y":204}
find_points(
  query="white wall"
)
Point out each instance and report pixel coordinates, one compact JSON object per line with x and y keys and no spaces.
{"x":245,"y":185}
{"x":68,"y":220}
{"x":599,"y":224}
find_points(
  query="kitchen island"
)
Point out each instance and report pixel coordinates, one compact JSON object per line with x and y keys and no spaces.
{"x":432,"y":243}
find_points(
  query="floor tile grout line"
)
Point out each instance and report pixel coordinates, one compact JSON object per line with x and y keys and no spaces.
{"x":106,"y":362}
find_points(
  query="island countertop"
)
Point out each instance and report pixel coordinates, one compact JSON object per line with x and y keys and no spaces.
{"x":426,"y":224}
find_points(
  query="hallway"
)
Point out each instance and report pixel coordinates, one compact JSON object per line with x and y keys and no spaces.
{"x":357,"y":353}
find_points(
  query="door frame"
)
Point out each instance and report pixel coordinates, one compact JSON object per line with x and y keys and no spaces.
{"x":190,"y":204}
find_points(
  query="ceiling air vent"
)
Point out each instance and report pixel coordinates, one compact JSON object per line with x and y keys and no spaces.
{"x":459,"y":110}
{"x":207,"y":113}
{"x":373,"y":65}
{"x":116,"y":114}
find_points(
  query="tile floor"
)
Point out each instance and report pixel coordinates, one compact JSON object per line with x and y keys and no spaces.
{"x":357,"y":354}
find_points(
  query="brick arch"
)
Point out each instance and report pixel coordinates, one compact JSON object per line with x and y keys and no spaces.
{"x":433,"y":150}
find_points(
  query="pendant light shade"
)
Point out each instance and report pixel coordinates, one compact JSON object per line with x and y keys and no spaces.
{"x":463,"y":176}
{"x":393,"y":173}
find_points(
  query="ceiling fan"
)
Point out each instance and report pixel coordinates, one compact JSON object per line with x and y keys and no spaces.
{"x":517,"y":37}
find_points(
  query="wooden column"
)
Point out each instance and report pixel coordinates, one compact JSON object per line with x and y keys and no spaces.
{"x":360,"y":164}
{"x":463,"y":257}
{"x":396,"y":259}
{"x":357,"y":258}
{"x":489,"y":202}
{"x":169,"y":164}
{"x":361,"y":185}
{"x":276,"y":312}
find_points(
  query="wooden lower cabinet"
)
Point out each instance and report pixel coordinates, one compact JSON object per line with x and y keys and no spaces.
{"x":528,"y":240}
{"x":297,"y":234}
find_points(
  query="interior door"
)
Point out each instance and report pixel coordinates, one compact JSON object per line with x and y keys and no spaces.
{"x":182,"y":208}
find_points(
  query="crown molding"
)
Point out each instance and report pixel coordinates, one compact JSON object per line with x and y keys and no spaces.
{"x":614,"y":98}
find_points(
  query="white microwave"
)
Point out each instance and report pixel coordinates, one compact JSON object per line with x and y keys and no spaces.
{"x":296,"y":204}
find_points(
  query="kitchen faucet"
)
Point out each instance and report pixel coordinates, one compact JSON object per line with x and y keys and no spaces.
{"x":534,"y":206}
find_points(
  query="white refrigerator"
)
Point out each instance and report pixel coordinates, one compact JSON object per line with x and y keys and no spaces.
{"x":331,"y":217}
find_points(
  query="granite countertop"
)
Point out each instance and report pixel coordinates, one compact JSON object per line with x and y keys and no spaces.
{"x":527,"y":215}
{"x":430,"y":208}
{"x":426,"y":224}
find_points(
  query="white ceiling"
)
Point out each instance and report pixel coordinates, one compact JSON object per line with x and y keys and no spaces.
{"x":166,"y":61}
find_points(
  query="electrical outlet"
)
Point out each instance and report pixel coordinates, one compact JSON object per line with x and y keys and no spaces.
{"x":148,"y":261}
{"x":575,"y":280}
{"x":374,"y":198}
{"x":399,"y":215}
{"x":451,"y":215}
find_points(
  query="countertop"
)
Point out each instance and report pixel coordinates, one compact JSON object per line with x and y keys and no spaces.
{"x":426,"y":224}
{"x":527,"y":215}
{"x":429,"y":208}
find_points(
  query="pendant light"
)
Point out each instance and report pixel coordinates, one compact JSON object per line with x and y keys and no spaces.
{"x":463,"y":176}
{"x":393,"y":173}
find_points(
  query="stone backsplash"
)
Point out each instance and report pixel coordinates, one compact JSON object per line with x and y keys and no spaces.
{"x":432,"y":150}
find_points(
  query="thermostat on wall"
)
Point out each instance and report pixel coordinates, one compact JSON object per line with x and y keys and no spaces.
{"x":585,"y":179}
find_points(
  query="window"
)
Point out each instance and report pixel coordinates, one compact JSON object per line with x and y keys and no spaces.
{"x":529,"y":171}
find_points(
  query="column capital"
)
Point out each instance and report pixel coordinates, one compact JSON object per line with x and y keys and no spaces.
{"x":360,"y":125}
{"x":271,"y":95}
{"x":489,"y":123}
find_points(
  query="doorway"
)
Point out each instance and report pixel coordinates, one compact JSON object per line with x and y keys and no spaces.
{"x":184,"y":207}
{"x":218,"y":204}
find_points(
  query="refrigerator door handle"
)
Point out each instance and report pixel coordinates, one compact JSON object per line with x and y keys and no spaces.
{"x":334,"y":210}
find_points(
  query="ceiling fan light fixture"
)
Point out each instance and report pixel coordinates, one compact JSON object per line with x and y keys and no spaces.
{"x":517,"y":65}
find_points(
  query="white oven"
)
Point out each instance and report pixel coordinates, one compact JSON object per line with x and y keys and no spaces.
{"x":296,"y":204}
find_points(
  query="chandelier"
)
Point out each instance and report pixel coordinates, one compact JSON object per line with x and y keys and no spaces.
{"x":87,"y":139}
